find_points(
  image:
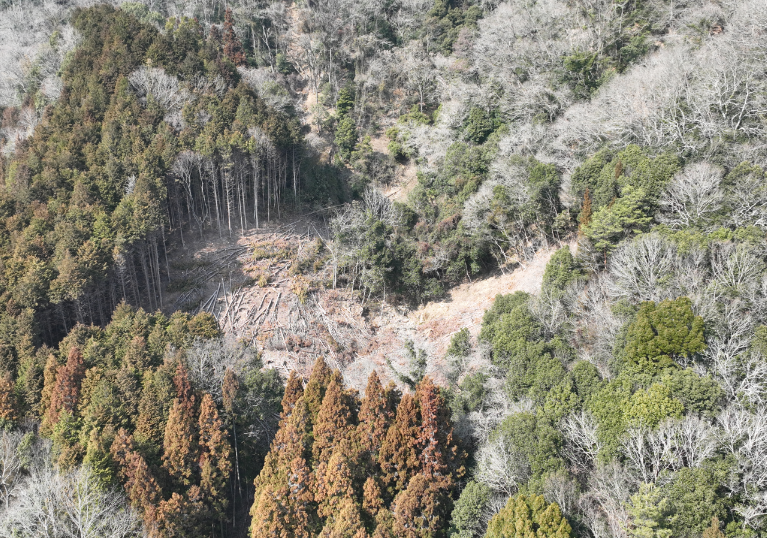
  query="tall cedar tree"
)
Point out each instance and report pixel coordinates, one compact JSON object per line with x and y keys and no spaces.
{"x":229,"y":389}
{"x":294,"y":389}
{"x":345,"y":522}
{"x":440,"y":456}
{"x":339,"y":497}
{"x":372,"y":497}
{"x":232,"y":46}
{"x":215,"y":465}
{"x":375,"y":418}
{"x":314,"y":391}
{"x":423,"y":509}
{"x":399,"y":456}
{"x":141,"y":487}
{"x":335,"y":421}
{"x":177,"y":517}
{"x":150,"y":422}
{"x":66,"y":392}
{"x":335,"y":480}
{"x":585,"y":216}
{"x":180,"y":443}
{"x":284,"y":498}
{"x":49,"y":383}
{"x":8,"y":403}
{"x":269,"y":516}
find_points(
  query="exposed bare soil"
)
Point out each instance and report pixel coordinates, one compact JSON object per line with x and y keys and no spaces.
{"x":274,"y":288}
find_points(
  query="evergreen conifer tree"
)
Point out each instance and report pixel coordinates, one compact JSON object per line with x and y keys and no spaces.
{"x":66,"y":392}
{"x":150,"y":422}
{"x":232,"y":45}
{"x":294,"y":389}
{"x":399,"y":455}
{"x":375,"y":417}
{"x":335,"y":421}
{"x":423,"y":508}
{"x":440,"y":456}
{"x":8,"y":403}
{"x":314,"y":392}
{"x":49,"y":383}
{"x":180,"y":442}
{"x":215,"y":465}
{"x":529,"y":517}
{"x":140,"y":485}
{"x":334,"y":482}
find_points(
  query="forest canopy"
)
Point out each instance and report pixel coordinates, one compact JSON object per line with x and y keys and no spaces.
{"x":423,"y":145}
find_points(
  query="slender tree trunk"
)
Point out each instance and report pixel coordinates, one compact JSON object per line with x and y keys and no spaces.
{"x":256,"y":179}
{"x":165,"y":249}
{"x":60,"y":309}
{"x":149,"y":290}
{"x":214,"y":181}
{"x":134,"y":281}
{"x":295,"y":179}
{"x":228,"y":194}
{"x":100,"y":304}
{"x":157,"y":269}
{"x":241,"y":198}
{"x":268,"y":189}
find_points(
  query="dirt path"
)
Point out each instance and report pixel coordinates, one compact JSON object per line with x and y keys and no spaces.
{"x":468,"y":302}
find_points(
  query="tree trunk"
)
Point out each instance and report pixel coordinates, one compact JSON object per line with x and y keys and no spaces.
{"x":149,"y":291}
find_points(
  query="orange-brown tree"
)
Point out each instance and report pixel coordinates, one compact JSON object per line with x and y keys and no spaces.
{"x":140,"y":485}
{"x":423,"y":508}
{"x":215,"y":463}
{"x":375,"y":417}
{"x":335,"y":472}
{"x":440,"y":455}
{"x":66,"y":391}
{"x":232,"y":45}
{"x":180,"y":442}
{"x":335,"y":420}
{"x":8,"y":403}
{"x":399,"y":455}
{"x":314,"y":392}
{"x":294,"y":389}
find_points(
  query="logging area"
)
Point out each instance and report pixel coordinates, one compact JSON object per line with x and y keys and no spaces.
{"x":273,"y":288}
{"x":383,"y":269}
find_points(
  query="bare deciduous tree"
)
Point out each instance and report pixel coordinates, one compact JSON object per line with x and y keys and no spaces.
{"x":208,"y":361}
{"x":609,"y":489}
{"x":164,"y":88}
{"x":674,"y":444}
{"x":73,"y":504}
{"x":744,"y":435}
{"x":735,"y":269}
{"x":500,"y":468}
{"x":582,"y":445}
{"x":643,"y":269}
{"x":381,"y":207}
{"x":595,"y":324}
{"x":561,"y":489}
{"x":692,"y":196}
{"x":11,"y":464}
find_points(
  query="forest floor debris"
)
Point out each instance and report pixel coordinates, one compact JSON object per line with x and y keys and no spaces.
{"x":273,"y":287}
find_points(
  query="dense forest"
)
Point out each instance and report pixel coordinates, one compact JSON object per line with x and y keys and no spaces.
{"x":428,"y":144}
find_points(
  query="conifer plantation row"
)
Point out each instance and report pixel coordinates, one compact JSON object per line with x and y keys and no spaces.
{"x":123,"y":402}
{"x":383,"y":465}
{"x":129,"y":161}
